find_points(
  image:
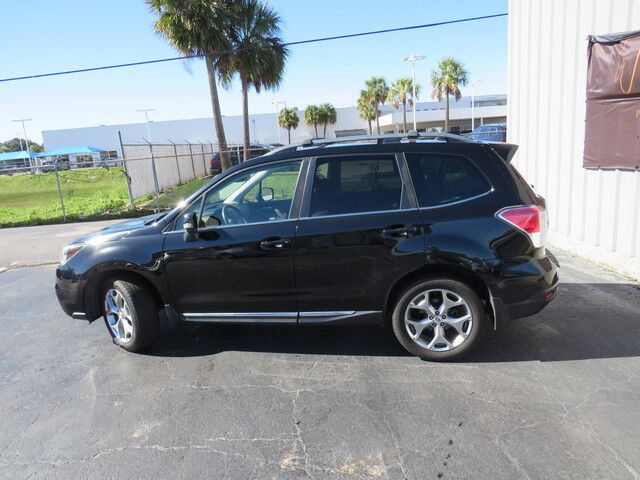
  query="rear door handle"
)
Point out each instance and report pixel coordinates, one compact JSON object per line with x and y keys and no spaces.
{"x":273,"y":244}
{"x":406,"y":231}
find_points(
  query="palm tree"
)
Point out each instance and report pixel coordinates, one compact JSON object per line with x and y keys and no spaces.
{"x":328,"y":116}
{"x":401,"y":93}
{"x":378,"y":91}
{"x":446,"y":80}
{"x":288,"y":118}
{"x":198,"y":27}
{"x":257,"y":53}
{"x":367,"y":111}
{"x":312,"y":117}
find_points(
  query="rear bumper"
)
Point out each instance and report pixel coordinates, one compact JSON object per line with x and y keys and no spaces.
{"x":525,"y":295}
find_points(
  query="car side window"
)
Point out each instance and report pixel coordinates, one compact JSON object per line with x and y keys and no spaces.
{"x":440,"y":179}
{"x":260,"y":194}
{"x":353,"y":184}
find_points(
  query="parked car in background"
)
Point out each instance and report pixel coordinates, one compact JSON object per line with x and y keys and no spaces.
{"x":236,"y":155}
{"x":491,"y":132}
{"x":51,"y":164}
{"x":437,"y":236}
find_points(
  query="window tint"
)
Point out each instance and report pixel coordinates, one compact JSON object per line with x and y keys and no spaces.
{"x":355,"y":184}
{"x":441,"y":179}
{"x":261,"y":194}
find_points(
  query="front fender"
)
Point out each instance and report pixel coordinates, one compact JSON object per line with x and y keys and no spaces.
{"x":139,"y":257}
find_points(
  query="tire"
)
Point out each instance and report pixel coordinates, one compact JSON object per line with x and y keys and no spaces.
{"x":423,"y":341}
{"x":139,"y":315}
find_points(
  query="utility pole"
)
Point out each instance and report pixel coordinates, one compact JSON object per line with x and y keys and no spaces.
{"x":26,"y":140}
{"x":473,"y":102}
{"x":413,"y":59}
{"x":146,"y":117}
{"x":277,"y":103}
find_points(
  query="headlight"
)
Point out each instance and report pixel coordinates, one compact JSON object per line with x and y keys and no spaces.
{"x":69,"y":251}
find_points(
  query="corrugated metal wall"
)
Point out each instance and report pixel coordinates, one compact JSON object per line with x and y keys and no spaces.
{"x":593,"y":213}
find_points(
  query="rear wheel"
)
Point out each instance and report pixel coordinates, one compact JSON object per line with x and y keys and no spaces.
{"x":131,"y":315}
{"x":438,"y":319}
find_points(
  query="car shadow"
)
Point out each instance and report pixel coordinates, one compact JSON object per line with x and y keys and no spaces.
{"x":585,"y":321}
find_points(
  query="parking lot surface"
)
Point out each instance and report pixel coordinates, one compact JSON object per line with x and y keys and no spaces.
{"x":27,"y":246}
{"x":553,"y":396}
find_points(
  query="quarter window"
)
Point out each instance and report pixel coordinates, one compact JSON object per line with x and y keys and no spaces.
{"x":441,"y":179}
{"x":355,"y":184}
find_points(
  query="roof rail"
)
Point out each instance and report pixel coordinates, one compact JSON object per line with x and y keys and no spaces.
{"x":412,"y":135}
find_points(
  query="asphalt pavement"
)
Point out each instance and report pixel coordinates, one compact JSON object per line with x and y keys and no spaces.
{"x":553,"y":396}
{"x":28,"y":246}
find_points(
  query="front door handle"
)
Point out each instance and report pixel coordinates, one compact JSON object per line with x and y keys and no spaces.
{"x":273,"y":244}
{"x":406,"y":231}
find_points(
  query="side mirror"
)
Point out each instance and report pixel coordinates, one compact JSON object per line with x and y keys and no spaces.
{"x":267,"y":194}
{"x":190,"y":225}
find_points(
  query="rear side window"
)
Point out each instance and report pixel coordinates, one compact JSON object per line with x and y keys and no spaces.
{"x":441,"y":179}
{"x":352,"y":184}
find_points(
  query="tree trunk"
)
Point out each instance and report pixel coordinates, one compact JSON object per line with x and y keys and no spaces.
{"x":404,"y":116}
{"x":315,"y":126}
{"x":289,"y":133}
{"x":245,"y":117}
{"x":217,"y":114}
{"x":324,"y":133}
{"x":370,"y":130}
{"x":446,"y":113}
{"x":378,"y":122}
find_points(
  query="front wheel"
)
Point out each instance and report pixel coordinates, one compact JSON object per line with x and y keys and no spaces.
{"x":438,"y":319}
{"x":131,"y":315}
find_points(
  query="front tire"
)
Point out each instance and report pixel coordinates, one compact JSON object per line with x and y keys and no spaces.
{"x":438,"y":319}
{"x":131,"y":315}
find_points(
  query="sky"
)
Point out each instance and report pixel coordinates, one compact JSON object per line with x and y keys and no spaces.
{"x":70,"y":34}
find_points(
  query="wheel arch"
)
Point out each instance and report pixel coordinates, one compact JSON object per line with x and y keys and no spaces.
{"x":93,"y":290}
{"x":453,"y":272}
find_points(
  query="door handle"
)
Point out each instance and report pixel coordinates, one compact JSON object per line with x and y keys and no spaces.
{"x":406,"y":231}
{"x":273,"y":244}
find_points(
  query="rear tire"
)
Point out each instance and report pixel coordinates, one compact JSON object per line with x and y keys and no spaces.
{"x":431,"y":334}
{"x":131,"y":315}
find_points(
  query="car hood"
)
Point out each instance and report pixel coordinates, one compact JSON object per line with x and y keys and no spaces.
{"x":119,"y":230}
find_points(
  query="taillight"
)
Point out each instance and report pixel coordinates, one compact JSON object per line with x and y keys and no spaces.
{"x":529,"y":219}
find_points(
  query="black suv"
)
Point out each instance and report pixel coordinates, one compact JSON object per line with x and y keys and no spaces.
{"x":435,"y":235}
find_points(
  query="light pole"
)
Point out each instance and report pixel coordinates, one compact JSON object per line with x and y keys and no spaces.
{"x":413,"y":59}
{"x":473,"y":102}
{"x":146,"y":117}
{"x":26,"y":141}
{"x":277,"y":103}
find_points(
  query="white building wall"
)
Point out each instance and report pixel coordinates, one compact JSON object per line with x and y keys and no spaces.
{"x":263,"y":127}
{"x":594,"y":213}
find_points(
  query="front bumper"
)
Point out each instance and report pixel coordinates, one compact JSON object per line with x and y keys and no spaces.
{"x":69,"y":291}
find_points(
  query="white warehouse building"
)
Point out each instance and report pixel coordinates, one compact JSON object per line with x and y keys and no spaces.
{"x":264,"y":129}
{"x":594,"y":212}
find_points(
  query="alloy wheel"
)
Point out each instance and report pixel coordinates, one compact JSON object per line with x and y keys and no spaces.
{"x":438,"y":320}
{"x":118,"y":315}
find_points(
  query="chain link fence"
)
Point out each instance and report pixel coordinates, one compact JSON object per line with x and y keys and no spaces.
{"x":148,"y":178}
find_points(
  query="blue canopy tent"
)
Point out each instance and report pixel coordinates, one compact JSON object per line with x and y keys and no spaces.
{"x":74,"y":150}
{"x":71,"y":152}
{"x":16,"y":159}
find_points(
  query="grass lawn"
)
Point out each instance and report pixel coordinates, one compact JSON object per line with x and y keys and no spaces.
{"x":88,"y":193}
{"x":170,"y":197}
